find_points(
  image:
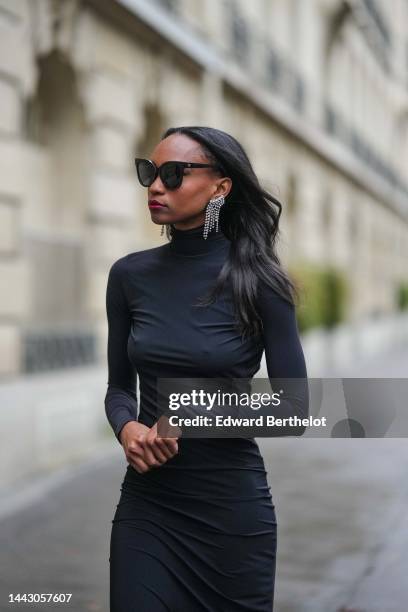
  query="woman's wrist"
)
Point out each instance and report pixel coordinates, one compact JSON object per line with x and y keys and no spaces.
{"x":124,"y":427}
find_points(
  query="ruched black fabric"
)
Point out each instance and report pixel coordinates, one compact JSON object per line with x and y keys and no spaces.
{"x":198,"y":533}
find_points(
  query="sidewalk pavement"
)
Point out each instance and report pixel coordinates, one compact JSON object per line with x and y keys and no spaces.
{"x":54,"y":534}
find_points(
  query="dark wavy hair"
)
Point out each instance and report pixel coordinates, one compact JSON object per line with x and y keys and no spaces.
{"x":249,"y":218}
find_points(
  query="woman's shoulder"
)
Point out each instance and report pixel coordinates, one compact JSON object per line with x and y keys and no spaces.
{"x":270,"y":295}
{"x":136,"y":259}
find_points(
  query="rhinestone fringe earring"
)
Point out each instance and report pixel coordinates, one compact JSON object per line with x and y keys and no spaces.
{"x":167,"y":226}
{"x":212,"y":214}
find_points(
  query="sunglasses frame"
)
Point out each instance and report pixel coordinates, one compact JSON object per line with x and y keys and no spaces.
{"x":158,"y":170}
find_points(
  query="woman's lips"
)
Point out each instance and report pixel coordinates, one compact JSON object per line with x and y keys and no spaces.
{"x":155,"y":204}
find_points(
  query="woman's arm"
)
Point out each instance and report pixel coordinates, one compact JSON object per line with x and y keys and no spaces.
{"x":121,"y":399}
{"x":284,"y":358}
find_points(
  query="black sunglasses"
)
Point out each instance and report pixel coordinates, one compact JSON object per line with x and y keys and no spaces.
{"x":171,"y":173}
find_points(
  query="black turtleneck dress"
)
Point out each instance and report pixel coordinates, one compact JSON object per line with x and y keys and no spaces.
{"x":199,"y":532}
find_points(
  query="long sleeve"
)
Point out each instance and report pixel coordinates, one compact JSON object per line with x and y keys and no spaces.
{"x":284,"y":358}
{"x":120,"y":399}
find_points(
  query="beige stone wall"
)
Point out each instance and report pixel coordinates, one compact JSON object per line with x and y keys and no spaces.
{"x":85,"y":86}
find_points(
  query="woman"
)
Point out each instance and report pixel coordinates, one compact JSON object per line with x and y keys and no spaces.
{"x":195,"y":526}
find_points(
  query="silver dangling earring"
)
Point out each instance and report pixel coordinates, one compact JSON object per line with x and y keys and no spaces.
{"x":168,"y":235}
{"x":212,"y":215}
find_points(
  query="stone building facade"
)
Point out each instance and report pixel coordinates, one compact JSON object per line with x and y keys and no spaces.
{"x":316,"y":91}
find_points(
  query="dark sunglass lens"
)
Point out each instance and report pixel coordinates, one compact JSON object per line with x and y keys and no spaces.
{"x":172,"y":175}
{"x":145,"y":172}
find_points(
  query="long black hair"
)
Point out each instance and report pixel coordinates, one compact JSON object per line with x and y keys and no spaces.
{"x":249,"y":218}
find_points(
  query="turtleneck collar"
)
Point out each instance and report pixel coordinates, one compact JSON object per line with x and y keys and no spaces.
{"x":191,"y":242}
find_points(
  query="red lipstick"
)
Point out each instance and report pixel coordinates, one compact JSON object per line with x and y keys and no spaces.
{"x":156,"y":204}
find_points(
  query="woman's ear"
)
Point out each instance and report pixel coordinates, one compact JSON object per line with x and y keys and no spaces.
{"x":224,"y":187}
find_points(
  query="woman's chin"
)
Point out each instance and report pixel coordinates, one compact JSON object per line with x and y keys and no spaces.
{"x":158,"y":217}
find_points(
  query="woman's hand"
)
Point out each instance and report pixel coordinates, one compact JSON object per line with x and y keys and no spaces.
{"x":143,"y":449}
{"x":132,"y":437}
{"x":159,"y":449}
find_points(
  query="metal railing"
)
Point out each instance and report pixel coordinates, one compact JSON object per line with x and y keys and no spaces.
{"x":57,"y":333}
{"x":240,"y":41}
{"x":281,"y":77}
{"x":338,"y":127}
{"x":378,"y":18}
{"x":252,"y":50}
{"x":52,"y":349}
{"x":169,"y":5}
{"x":380,"y":43}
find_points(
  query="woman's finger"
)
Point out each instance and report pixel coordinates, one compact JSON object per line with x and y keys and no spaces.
{"x":149,"y":456}
{"x":171,"y":444}
{"x":168,"y":434}
{"x":165,"y":430}
{"x":136,"y":448}
{"x":164,"y":448}
{"x":157,"y":450}
{"x":139,"y":465}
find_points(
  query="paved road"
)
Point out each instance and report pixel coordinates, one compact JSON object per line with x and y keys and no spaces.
{"x":60,"y":543}
{"x":336,"y":502}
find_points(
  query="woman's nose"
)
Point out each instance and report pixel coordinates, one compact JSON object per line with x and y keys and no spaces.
{"x":157,"y":186}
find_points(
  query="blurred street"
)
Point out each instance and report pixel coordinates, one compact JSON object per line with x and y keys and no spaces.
{"x":60,"y":542}
{"x":337,"y":501}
